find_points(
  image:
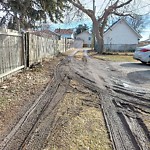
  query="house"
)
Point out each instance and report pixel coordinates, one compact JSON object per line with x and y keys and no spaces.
{"x":145,"y":42}
{"x":46,"y":33}
{"x":86,"y":37}
{"x":121,"y":37}
{"x":65,"y":33}
{"x":78,"y":43}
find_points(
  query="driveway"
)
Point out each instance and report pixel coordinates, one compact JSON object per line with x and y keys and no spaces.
{"x":136,"y":73}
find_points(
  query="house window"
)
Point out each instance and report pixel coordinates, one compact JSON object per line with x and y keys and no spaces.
{"x":89,"y":38}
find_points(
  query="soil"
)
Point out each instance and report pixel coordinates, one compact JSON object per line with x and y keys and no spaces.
{"x":80,"y":122}
{"x":18,"y":93}
{"x":88,"y":104}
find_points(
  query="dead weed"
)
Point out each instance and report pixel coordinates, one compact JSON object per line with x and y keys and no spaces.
{"x":20,"y":91}
{"x":82,"y":126}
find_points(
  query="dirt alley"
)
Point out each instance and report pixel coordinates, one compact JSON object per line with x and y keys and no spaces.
{"x":89,"y":104}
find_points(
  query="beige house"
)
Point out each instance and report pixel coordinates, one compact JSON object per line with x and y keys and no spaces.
{"x":86,"y":37}
{"x":46,"y":33}
{"x":65,"y":33}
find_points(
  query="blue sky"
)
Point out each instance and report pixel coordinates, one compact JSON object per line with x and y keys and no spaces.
{"x":72,"y":24}
{"x":100,"y":5}
{"x":145,"y":33}
{"x":138,"y":7}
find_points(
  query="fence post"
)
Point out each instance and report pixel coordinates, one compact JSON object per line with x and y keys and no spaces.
{"x":65,"y":44}
{"x":23,"y":50}
{"x":26,"y":52}
{"x":57,"y":47}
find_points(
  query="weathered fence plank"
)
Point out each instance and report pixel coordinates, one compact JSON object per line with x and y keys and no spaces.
{"x":44,"y":47}
{"x":18,"y":51}
{"x":10,"y":32}
{"x":11,"y":52}
{"x":40,"y":47}
{"x":12,"y":71}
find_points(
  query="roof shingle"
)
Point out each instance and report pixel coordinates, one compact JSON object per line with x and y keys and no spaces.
{"x":64,"y":31}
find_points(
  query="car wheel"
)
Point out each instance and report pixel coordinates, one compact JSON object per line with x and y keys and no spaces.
{"x":144,"y":62}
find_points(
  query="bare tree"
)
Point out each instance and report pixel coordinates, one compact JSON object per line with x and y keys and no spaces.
{"x":138,"y":22}
{"x":114,"y":7}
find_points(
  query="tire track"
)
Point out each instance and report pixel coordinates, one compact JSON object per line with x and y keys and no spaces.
{"x":23,"y":130}
{"x":126,"y":127}
{"x":119,"y":105}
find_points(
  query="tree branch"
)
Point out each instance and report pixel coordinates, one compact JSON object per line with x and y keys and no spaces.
{"x":126,"y":3}
{"x":111,"y":10}
{"x":122,"y":14}
{"x":77,"y":4}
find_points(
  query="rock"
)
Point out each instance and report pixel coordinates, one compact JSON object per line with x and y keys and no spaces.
{"x":4,"y":87}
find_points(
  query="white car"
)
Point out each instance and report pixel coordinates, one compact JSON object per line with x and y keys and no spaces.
{"x":142,"y":54}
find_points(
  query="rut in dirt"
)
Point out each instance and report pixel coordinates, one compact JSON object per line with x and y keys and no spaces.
{"x":24,"y":134}
{"x":122,"y":107}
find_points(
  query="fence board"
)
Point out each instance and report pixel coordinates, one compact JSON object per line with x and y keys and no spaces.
{"x":44,"y":47}
{"x":10,"y":72}
{"x":61,"y":45}
{"x":40,"y":47}
{"x":11,"y":52}
{"x":21,"y":50}
{"x":10,"y":32}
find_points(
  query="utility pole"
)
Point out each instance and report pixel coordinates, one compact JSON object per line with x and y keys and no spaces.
{"x":94,"y":8}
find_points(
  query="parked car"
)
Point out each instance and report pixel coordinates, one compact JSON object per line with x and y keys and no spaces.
{"x":142,"y":54}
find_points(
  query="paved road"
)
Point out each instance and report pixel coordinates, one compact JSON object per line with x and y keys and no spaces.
{"x":136,"y":73}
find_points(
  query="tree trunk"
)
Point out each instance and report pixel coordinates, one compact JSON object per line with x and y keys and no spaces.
{"x":99,"y":39}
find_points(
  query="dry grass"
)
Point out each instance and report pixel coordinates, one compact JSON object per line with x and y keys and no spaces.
{"x":79,"y":55}
{"x":21,"y":90}
{"x":82,"y":124}
{"x":147,"y":122}
{"x":146,"y":119}
{"x":112,"y":56}
{"x":69,"y":52}
{"x":116,"y":57}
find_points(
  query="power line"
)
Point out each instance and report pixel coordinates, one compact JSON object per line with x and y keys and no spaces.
{"x":103,"y":5}
{"x":141,"y":7}
{"x":87,"y":2}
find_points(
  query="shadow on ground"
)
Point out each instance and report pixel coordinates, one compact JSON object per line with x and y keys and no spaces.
{"x":136,"y":65}
{"x":139,"y":77}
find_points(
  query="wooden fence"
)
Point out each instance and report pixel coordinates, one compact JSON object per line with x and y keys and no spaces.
{"x":18,"y":51}
{"x":40,"y":47}
{"x":11,"y":52}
